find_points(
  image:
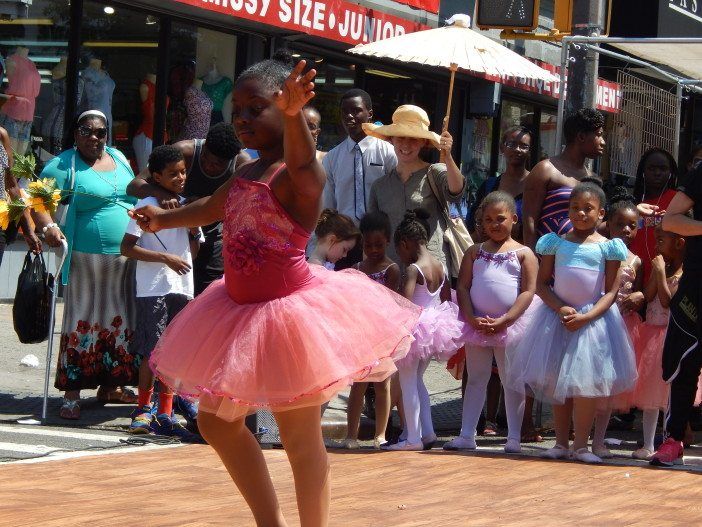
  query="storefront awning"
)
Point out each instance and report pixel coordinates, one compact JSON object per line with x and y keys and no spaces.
{"x":686,"y":59}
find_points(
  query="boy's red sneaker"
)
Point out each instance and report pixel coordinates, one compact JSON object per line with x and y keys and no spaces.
{"x":668,"y":454}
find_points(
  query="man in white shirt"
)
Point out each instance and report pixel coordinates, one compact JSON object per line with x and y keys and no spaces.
{"x":355,"y":164}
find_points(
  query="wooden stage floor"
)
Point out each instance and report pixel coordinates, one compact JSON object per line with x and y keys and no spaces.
{"x":187,"y":487}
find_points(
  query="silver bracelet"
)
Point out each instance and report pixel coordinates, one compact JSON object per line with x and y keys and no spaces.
{"x":48,"y":226}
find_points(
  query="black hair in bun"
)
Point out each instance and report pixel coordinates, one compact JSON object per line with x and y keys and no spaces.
{"x":414,"y":226}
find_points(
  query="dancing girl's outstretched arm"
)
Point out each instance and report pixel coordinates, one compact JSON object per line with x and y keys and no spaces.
{"x":201,"y":212}
{"x":305,"y":174}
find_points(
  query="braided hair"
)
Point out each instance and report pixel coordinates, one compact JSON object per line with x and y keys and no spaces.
{"x":414,"y":227}
{"x":621,"y":199}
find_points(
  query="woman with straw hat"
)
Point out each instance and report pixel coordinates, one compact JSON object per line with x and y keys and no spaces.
{"x":409,"y":186}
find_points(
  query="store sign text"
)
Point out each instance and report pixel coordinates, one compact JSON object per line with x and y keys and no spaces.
{"x":689,"y":8}
{"x":333,"y":19}
{"x":609,"y":94}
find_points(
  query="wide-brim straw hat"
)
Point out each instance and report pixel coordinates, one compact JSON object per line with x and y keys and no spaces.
{"x":407,"y":121}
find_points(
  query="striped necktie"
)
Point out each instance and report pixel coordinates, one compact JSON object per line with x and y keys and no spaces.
{"x":359,"y":191}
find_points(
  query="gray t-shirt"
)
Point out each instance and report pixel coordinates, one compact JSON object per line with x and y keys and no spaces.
{"x":393,"y":197}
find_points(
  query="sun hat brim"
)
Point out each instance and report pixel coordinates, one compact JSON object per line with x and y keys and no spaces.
{"x":386,"y":131}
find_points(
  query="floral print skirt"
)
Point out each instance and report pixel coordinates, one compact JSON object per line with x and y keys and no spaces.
{"x":98,"y":324}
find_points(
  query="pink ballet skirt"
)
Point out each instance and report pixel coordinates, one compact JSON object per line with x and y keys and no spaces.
{"x":510,"y":336}
{"x":651,"y":391}
{"x":276,"y":332}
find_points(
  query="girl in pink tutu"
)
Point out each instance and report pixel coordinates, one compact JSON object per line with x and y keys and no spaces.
{"x":273,"y":332}
{"x":496,"y":285}
{"x":437,"y":334}
{"x":336,"y":235}
{"x":651,"y":393}
{"x":622,"y":222}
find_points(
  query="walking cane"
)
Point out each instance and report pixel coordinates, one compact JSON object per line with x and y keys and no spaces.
{"x":52,"y":320}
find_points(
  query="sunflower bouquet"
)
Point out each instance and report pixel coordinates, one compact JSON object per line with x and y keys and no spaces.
{"x":43,"y":195}
{"x":11,"y":211}
{"x":23,"y":166}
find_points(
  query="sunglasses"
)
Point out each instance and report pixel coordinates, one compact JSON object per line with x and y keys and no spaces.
{"x":514,"y":145}
{"x":86,"y":131}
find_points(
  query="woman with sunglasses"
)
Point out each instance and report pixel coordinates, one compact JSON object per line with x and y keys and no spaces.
{"x":99,"y":298}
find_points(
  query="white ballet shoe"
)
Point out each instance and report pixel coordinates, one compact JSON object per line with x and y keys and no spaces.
{"x":404,"y":445}
{"x":378,"y":442}
{"x":513,"y":446}
{"x":557,"y":452}
{"x":603,"y":452}
{"x":461,"y":443}
{"x":642,"y":453}
{"x":585,"y":456}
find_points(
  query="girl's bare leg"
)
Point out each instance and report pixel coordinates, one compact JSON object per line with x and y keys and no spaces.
{"x":382,"y":407}
{"x":354,"y":409}
{"x":562,"y":414}
{"x":301,"y":435}
{"x":243,"y":459}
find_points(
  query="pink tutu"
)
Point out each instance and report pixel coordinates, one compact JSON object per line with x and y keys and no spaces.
{"x":437,"y":334}
{"x":650,"y":392}
{"x":289,"y":352}
{"x":623,"y":402}
{"x":473,"y":337}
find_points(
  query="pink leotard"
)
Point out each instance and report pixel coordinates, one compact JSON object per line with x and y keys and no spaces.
{"x":496,"y":282}
{"x":264,"y":248}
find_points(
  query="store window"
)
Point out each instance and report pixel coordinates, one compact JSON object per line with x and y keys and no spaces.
{"x":200,"y":80}
{"x":33,"y":55}
{"x":547,"y":135}
{"x":118,"y":58}
{"x":334,"y":77}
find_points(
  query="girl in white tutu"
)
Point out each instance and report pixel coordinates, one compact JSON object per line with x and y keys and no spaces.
{"x":436,"y":335}
{"x":576,"y":349}
{"x":496,"y":285}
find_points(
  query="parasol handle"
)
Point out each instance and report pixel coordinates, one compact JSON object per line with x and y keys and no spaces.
{"x":444,"y":128}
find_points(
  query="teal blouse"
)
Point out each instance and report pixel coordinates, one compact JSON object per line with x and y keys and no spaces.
{"x":96,"y":223}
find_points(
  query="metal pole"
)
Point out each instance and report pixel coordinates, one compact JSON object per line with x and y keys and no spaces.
{"x":588,"y":20}
{"x":565,"y":46}
{"x":678,"y":112}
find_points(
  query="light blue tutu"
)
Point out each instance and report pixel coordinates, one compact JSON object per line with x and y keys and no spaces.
{"x":555,"y":364}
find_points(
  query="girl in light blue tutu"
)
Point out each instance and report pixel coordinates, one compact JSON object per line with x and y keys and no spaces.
{"x":576,"y":349}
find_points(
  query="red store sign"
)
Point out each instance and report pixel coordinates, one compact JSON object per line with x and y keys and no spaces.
{"x":333,"y":19}
{"x":609,"y":94}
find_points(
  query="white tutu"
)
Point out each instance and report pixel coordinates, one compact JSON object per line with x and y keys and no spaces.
{"x":438,"y":333}
{"x":555,"y":364}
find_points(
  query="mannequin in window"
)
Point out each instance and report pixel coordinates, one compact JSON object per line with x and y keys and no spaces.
{"x":143,"y":140}
{"x":53,"y":125}
{"x":218,"y":88}
{"x":17,"y":113}
{"x":97,"y":92}
{"x":198,"y":107}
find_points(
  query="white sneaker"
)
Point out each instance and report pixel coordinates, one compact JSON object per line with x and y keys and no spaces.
{"x":603,"y":453}
{"x":513,"y":446}
{"x":403,"y":445}
{"x":461,"y":443}
{"x":585,"y":456}
{"x":557,"y":452}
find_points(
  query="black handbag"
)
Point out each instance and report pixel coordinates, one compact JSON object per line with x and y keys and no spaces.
{"x":33,"y":300}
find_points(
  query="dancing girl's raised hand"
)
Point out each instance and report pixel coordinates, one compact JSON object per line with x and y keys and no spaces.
{"x":297,"y":90}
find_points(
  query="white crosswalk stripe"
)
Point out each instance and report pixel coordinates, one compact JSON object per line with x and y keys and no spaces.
{"x":26,"y":444}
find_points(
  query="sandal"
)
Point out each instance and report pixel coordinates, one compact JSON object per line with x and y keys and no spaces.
{"x":532,"y":436}
{"x":490,"y":429}
{"x":118,"y":395}
{"x":70,"y":409}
